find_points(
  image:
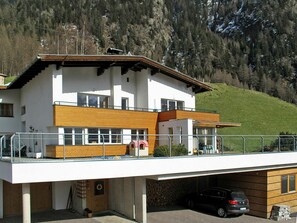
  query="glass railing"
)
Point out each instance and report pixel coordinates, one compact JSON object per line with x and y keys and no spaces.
{"x":55,"y":147}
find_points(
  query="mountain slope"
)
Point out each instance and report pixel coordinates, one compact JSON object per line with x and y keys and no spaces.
{"x":258,"y":113}
{"x":247,"y":43}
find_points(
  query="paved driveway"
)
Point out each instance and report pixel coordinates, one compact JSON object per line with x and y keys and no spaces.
{"x":168,"y":215}
{"x":180,"y":215}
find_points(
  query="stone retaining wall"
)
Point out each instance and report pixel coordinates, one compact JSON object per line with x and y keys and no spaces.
{"x":169,"y":192}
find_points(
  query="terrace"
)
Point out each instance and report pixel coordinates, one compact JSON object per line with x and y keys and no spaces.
{"x":234,"y":154}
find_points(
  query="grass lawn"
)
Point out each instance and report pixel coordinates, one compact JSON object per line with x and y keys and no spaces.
{"x":258,"y":113}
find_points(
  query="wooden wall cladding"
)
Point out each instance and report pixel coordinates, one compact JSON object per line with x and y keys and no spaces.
{"x":41,"y":198}
{"x":179,"y":114}
{"x":110,"y":118}
{"x":85,"y":151}
{"x":254,"y":185}
{"x":263,"y":188}
{"x":274,"y":195}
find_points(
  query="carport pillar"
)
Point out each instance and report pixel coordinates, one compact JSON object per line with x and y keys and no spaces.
{"x":26,"y":203}
{"x":140,"y":200}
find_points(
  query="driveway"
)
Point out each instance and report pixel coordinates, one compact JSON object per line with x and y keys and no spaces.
{"x":168,"y":215}
{"x":181,"y":215}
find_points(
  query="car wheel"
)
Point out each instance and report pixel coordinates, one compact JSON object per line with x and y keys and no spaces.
{"x":190,"y":204}
{"x":221,"y":212}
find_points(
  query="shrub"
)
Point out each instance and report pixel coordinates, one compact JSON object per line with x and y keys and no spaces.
{"x":176,"y":150}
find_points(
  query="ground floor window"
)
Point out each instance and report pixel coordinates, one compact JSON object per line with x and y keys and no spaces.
{"x":84,"y":136}
{"x":205,"y":135}
{"x":138,"y":134}
{"x":97,"y":135}
{"x":73,"y":136}
{"x":288,"y":183}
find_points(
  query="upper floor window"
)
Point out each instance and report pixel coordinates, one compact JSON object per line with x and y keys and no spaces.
{"x":23,"y":110}
{"x":288,"y":183}
{"x":167,"y":105}
{"x":6,"y":110}
{"x":125,"y":103}
{"x":91,"y":100}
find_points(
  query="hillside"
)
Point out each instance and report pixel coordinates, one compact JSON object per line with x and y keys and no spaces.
{"x":259,"y":113}
{"x":246,"y":43}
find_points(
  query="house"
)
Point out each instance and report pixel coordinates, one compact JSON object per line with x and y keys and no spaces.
{"x":73,"y":129}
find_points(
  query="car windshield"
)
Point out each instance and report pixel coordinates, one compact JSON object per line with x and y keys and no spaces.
{"x":238,"y":195}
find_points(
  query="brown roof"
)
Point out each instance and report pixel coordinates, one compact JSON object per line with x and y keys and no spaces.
{"x":102,"y":62}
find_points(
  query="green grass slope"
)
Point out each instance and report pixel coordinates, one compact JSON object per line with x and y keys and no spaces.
{"x":258,"y":113}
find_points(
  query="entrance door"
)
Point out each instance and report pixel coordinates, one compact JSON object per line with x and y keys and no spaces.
{"x":97,"y":195}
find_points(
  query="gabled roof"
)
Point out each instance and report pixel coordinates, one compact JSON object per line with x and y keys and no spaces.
{"x":103,"y":62}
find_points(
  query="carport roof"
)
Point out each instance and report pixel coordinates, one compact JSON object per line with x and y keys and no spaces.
{"x":103,"y":62}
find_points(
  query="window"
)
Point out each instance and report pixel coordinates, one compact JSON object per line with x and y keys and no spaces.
{"x":93,"y":135}
{"x":103,"y":101}
{"x":288,"y":183}
{"x":73,"y":136}
{"x":81,"y":100}
{"x":93,"y":100}
{"x":125,"y":103}
{"x":104,"y":135}
{"x":138,"y":134}
{"x":6,"y":110}
{"x":116,"y":136}
{"x":68,"y":136}
{"x":167,"y":105}
{"x":23,"y":110}
{"x":89,"y":100}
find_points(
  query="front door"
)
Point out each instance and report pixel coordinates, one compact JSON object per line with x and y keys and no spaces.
{"x":97,"y":195}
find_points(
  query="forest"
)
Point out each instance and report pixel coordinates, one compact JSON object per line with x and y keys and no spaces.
{"x":245,"y":43}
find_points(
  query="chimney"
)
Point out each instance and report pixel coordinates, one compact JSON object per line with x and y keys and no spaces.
{"x":2,"y":77}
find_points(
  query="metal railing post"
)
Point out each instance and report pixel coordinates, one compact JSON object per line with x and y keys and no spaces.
{"x":138,"y":147}
{"x":19,"y":142}
{"x":103,"y":146}
{"x":64,"y":147}
{"x":2,"y":145}
{"x":243,"y":138}
{"x":11,"y":148}
{"x":279,"y":144}
{"x":262,"y":141}
{"x":169,"y":145}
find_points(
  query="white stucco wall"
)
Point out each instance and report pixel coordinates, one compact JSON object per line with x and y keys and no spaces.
{"x":11,"y":124}
{"x":161,"y":86}
{"x":36,"y":95}
{"x":128,"y":82}
{"x":142,"y":89}
{"x":180,"y":127}
{"x":60,"y":194}
{"x":68,"y":81}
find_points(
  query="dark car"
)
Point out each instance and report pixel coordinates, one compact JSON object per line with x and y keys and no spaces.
{"x":221,"y":200}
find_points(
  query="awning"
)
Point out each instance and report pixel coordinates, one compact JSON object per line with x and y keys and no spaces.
{"x":212,"y":124}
